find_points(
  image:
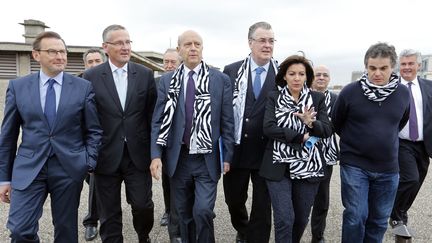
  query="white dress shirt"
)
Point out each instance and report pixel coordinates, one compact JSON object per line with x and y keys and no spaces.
{"x":418,"y":100}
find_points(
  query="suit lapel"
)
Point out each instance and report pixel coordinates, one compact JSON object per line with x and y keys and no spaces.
{"x":66,"y":92}
{"x":425,"y":95}
{"x":132,"y":80}
{"x":35,"y":97}
{"x":108,"y":81}
{"x":269,"y":83}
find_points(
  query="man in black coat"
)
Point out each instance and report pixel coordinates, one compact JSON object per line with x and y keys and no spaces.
{"x":125,"y":98}
{"x":415,"y":141}
{"x":252,"y":79}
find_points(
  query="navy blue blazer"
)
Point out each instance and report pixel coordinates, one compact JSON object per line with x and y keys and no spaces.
{"x":222,"y":122}
{"x":74,"y":138}
{"x":249,"y":153}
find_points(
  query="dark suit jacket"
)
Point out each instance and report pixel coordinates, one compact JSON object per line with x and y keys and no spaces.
{"x":134,"y":123}
{"x":74,"y":138}
{"x":426,"y":91}
{"x":248,"y":154}
{"x":321,"y":128}
{"x":222,"y":122}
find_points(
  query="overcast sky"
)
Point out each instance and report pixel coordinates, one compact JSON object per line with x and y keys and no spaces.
{"x":336,"y":33}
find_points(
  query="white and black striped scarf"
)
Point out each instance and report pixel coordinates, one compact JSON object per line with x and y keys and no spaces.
{"x":378,"y":93}
{"x":201,"y":127}
{"x":330,"y":146}
{"x":307,"y":162}
{"x":240,"y":94}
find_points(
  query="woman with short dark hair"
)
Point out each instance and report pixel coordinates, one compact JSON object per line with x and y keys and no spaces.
{"x":295,"y":119}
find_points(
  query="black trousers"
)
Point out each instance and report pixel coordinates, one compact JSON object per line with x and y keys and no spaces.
{"x":321,"y":205}
{"x":257,"y":226}
{"x":173,"y":224}
{"x":92,"y":217}
{"x":138,"y":186}
{"x":413,"y":167}
{"x":166,"y":192}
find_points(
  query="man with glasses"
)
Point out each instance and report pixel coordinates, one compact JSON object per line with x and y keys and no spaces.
{"x":61,"y":135}
{"x":125,"y":98}
{"x":331,"y":156}
{"x":252,"y":79}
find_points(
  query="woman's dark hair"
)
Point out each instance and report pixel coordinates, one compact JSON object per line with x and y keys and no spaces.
{"x":294,"y":59}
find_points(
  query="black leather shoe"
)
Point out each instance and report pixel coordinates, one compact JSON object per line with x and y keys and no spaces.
{"x":241,"y":238}
{"x":145,"y":240}
{"x":402,"y":239}
{"x":318,"y":240}
{"x":164,"y":220}
{"x":176,"y":240}
{"x":90,"y":232}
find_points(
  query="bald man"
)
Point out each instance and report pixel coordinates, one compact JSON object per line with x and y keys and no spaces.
{"x":331,"y":155}
{"x":188,"y":125}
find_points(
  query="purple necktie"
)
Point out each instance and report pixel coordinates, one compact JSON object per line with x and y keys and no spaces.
{"x":189,"y":108}
{"x":413,"y":128}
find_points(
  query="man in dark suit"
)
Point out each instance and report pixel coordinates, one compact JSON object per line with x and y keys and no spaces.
{"x":330,"y":155}
{"x":250,"y":86}
{"x":171,"y":61}
{"x":193,"y":110}
{"x":415,"y":141}
{"x":60,"y":139}
{"x":125,"y":98}
{"x":92,"y":57}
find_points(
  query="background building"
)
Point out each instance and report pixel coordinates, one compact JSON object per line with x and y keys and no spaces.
{"x":16,"y":59}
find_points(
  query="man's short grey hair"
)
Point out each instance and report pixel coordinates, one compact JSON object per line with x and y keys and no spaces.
{"x":109,"y":29}
{"x":94,"y":50}
{"x":382,"y":50}
{"x":411,"y":52}
{"x":254,"y":27}
{"x":169,"y":50}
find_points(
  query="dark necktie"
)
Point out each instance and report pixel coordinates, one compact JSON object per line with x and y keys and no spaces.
{"x":257,"y":81}
{"x":189,"y":108}
{"x":50,"y":103}
{"x":413,"y":127}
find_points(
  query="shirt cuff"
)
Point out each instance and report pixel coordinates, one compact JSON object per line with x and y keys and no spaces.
{"x":3,"y":183}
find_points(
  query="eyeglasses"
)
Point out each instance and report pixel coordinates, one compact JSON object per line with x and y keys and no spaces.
{"x":53,"y":53}
{"x":120,"y":43}
{"x":262,"y":41}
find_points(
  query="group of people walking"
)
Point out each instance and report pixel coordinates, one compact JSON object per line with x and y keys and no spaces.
{"x":270,"y":123}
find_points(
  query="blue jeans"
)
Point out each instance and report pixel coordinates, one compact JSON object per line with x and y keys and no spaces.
{"x":368,"y":200}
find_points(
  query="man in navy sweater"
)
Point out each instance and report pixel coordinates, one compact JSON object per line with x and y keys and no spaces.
{"x":368,"y":116}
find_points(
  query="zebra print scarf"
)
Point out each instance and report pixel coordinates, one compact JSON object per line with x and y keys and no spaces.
{"x":330,"y":146}
{"x":378,"y":93}
{"x":240,"y":93}
{"x":307,"y":162}
{"x":201,"y":127}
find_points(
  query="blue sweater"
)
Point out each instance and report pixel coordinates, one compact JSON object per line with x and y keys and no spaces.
{"x":369,"y":130}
